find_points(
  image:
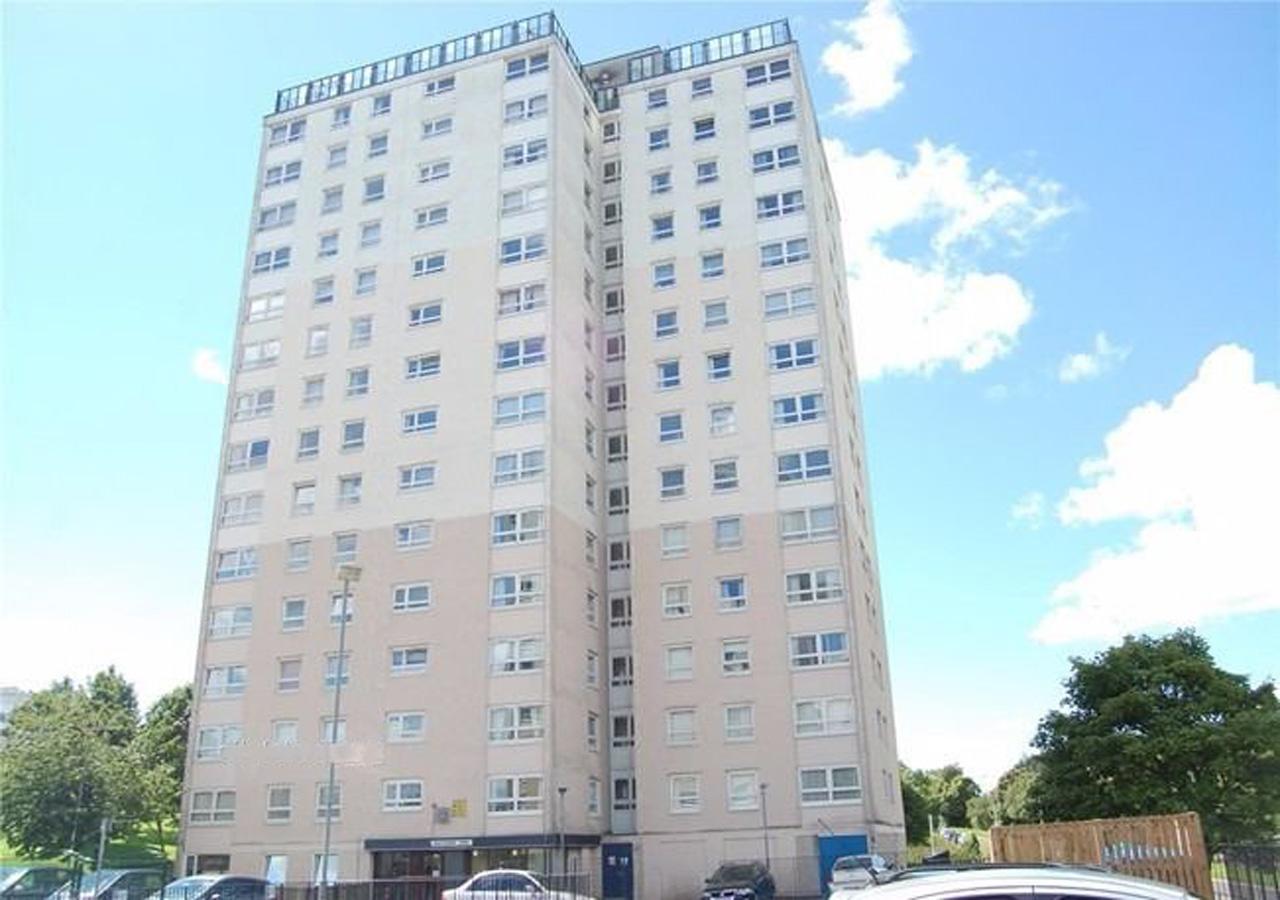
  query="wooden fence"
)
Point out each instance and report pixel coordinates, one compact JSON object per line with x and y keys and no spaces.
{"x":1163,"y":848}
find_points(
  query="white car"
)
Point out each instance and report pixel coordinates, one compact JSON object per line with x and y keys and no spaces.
{"x":1013,"y":881}
{"x":507,"y":884}
{"x":857,"y":872}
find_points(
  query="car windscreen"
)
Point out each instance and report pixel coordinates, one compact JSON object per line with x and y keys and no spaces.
{"x":186,"y":888}
{"x":735,"y":873}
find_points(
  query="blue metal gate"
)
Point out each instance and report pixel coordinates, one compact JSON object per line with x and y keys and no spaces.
{"x":617,"y":879}
{"x":832,"y":847}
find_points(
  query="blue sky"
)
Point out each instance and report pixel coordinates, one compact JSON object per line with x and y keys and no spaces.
{"x":1025,"y":177}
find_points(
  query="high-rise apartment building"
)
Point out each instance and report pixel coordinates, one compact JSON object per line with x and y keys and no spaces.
{"x":559,"y":357}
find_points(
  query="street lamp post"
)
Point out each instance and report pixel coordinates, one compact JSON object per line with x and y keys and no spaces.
{"x":764,"y":811}
{"x":348,"y":574}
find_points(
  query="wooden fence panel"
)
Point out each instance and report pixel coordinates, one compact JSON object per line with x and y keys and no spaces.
{"x":1163,"y":848}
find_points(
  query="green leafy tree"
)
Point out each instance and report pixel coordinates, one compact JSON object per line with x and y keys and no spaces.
{"x":981,"y":811}
{"x":1011,"y":801}
{"x":158,"y":755}
{"x":915,"y":809}
{"x":1155,"y":726}
{"x":949,"y":792}
{"x":116,"y":706}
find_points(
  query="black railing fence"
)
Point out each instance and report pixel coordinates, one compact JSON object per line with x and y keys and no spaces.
{"x":1246,"y":872}
{"x":579,"y":884}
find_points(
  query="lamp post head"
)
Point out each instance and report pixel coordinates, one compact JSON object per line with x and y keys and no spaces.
{"x":562,"y":790}
{"x":349,"y":573}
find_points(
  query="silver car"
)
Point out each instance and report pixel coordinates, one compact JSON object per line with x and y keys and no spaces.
{"x":859,"y":871}
{"x":1014,"y":882}
{"x":507,"y":884}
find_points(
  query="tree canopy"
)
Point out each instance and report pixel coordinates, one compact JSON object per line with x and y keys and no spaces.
{"x":1154,"y":725}
{"x":942,"y":793}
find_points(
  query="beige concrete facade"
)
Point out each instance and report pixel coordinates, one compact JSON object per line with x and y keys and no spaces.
{"x":599,"y":633}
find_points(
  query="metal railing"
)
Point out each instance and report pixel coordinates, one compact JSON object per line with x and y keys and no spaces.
{"x":580,"y":884}
{"x":1246,"y":872}
{"x":709,"y":50}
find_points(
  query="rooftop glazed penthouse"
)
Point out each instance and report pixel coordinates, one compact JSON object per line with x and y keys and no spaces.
{"x":558,"y":356}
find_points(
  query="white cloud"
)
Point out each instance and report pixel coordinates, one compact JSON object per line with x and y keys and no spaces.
{"x":869,"y":62}
{"x":1028,"y":509}
{"x":985,"y":739}
{"x":1202,"y":477}
{"x":912,"y":315}
{"x":1081,"y":366}
{"x":205,"y":366}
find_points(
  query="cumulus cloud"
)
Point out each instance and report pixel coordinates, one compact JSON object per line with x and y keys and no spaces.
{"x":206,"y":367}
{"x":911,"y":315}
{"x":1200,"y":476}
{"x":868,"y":63}
{"x":1028,"y":509}
{"x":1082,"y":366}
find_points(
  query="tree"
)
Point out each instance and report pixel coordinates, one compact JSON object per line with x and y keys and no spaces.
{"x":116,"y":706}
{"x":1011,"y":800}
{"x":915,"y":810}
{"x":158,"y":754}
{"x":1155,"y":726}
{"x":942,"y":793}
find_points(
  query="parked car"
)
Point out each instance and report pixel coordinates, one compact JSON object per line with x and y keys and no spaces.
{"x":506,"y":884}
{"x":216,"y":887}
{"x":1010,"y":880}
{"x":858,"y":871}
{"x":740,"y":881}
{"x":32,"y":882}
{"x":114,"y":884}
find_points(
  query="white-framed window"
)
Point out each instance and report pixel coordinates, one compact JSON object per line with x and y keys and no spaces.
{"x":519,"y":527}
{"x":331,"y":200}
{"x":712,"y":263}
{"x":615,"y":396}
{"x":287,"y":132}
{"x":337,"y":601}
{"x":612,"y":255}
{"x":515,"y":409}
{"x":724,"y":475}
{"x":771,"y":114}
{"x":317,"y":340}
{"x":795,"y":409}
{"x":620,"y":611}
{"x":231,"y":565}
{"x":304,"y":498}
{"x":345,"y":544}
{"x":519,"y":353}
{"x":784,"y":253}
{"x":740,"y":722}
{"x":366,"y":281}
{"x":735,"y":656}
{"x":616,"y":446}
{"x":682,"y":725}
{"x":428,"y":264}
{"x":514,"y":795}
{"x":409,"y":660}
{"x":624,"y":793}
{"x":353,"y":432}
{"x":828,"y":785}
{"x":293,"y":612}
{"x":361,"y":332}
{"x":264,"y":307}
{"x":731,"y":593}
{"x":378,"y":145}
{"x":426,"y":313}
{"x":674,"y":539}
{"x":438,"y":86}
{"x":524,"y":153}
{"x":662,"y":226}
{"x":271,"y":260}
{"x":522,"y":249}
{"x":277,"y":216}
{"x":803,"y":465}
{"x":375,"y":188}
{"x":337,"y":156}
{"x":659,"y":138}
{"x":524,"y":66}
{"x":619,"y":555}
{"x":686,"y":793}
{"x":719,"y":365}
{"x":417,"y":476}
{"x":821,"y":716}
{"x":260,"y":354}
{"x":612,"y":170}
{"x":409,"y":597}
{"x":511,"y":724}
{"x":593,"y":796}
{"x":431,"y":216}
{"x":621,"y":670}
{"x":212,"y":740}
{"x":424,"y":365}
{"x":520,"y":109}
{"x":328,"y":803}
{"x":666,"y":323}
{"x":592,"y":669}
{"x":288,"y":674}
{"x":742,"y":789}
{"x":670,"y":427}
{"x":727,"y":532}
{"x":656,"y":98}
{"x":230,"y":621}
{"x":312,"y":390}
{"x":530,"y":198}
{"x":782,"y":157}
{"x":240,"y":509}
{"x":333,"y":731}
{"x":508,"y":590}
{"x":381,"y":105}
{"x":618,"y":500}
{"x":819,"y":648}
{"x":436,"y":170}
{"x":615,"y":347}
{"x":225,"y":681}
{"x":700,"y":87}
{"x":676,"y":601}
{"x":402,"y":795}
{"x":706,"y":171}
{"x":612,"y":212}
{"x":773,"y":70}
{"x":794,"y":354}
{"x":678,"y":659}
{"x":419,"y":421}
{"x":709,"y":217}
{"x":212,"y":807}
{"x":671,"y":482}
{"x":350,"y":489}
{"x":668,"y":374}
{"x":704,"y":128}
{"x":519,"y":465}
{"x":516,"y":656}
{"x":298,"y":555}
{"x":283,"y":173}
{"x":418,"y":533}
{"x":722,"y":419}
{"x":437,"y":127}
{"x":783,"y":203}
{"x":406,"y":727}
{"x":822,"y":585}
